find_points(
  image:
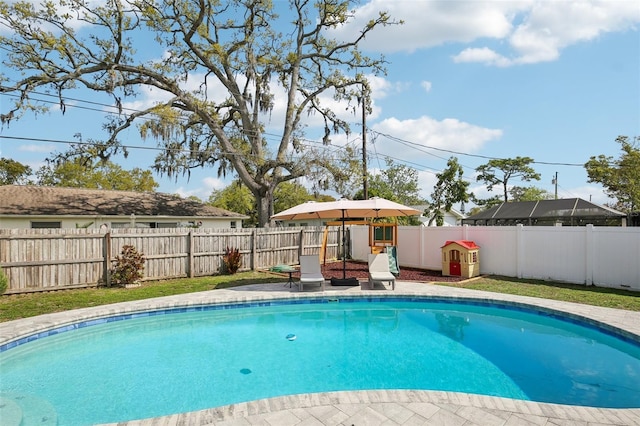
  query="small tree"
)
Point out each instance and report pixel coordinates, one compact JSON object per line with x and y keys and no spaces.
{"x":621,"y":177}
{"x":86,"y":173}
{"x":450,"y":189}
{"x":510,"y":168}
{"x":14,"y":173}
{"x":529,"y":193}
{"x":129,"y":266}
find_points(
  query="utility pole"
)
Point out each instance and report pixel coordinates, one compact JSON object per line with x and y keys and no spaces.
{"x":364,"y":146}
{"x":555,"y":182}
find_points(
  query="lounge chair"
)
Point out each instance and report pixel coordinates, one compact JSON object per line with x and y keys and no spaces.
{"x":379,"y":270}
{"x":310,"y":271}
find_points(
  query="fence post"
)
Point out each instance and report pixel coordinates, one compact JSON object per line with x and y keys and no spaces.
{"x":254,"y":249}
{"x":465,"y":232}
{"x":301,"y":244}
{"x":588,"y":251}
{"x":107,"y":259}
{"x":519,"y":250}
{"x":190,"y":266}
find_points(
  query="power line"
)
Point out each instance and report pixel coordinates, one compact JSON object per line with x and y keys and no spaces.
{"x":417,"y":146}
{"x":414,"y":145}
{"x":470,"y":155}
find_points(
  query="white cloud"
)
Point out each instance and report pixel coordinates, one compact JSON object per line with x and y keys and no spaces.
{"x":204,"y":190}
{"x":592,"y":193}
{"x":426,"y":181}
{"x":431,"y":23}
{"x":426,"y":85}
{"x":212,"y":183}
{"x":529,"y":31}
{"x":64,"y":11}
{"x":450,"y":134}
{"x":37,"y":148}
{"x":484,"y":55}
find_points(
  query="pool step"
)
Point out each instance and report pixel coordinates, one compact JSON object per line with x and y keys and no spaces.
{"x":26,"y":410}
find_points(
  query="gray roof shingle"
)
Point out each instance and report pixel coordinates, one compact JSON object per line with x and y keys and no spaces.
{"x":568,"y":207}
{"x":50,"y":200}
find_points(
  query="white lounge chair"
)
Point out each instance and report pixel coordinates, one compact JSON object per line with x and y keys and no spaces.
{"x":379,"y":270}
{"x":310,"y":271}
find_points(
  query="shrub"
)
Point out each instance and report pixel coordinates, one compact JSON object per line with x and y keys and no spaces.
{"x":128,"y":266}
{"x":4,"y":282}
{"x":232,"y":260}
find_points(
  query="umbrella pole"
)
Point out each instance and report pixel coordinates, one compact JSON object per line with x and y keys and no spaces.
{"x":344,"y":281}
{"x":344,"y":249}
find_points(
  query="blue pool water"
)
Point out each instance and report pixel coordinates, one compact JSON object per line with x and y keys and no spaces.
{"x":170,"y":362}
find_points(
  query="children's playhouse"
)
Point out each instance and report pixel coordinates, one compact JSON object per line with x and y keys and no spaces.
{"x":461,"y":258}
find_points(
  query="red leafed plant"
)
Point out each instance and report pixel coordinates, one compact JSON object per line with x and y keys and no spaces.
{"x":232,"y":260}
{"x":128,"y":266}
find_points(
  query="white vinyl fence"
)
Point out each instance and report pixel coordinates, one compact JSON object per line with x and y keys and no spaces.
{"x":601,"y":256}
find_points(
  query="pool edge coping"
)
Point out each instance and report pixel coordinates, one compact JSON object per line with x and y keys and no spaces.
{"x":620,"y":320}
{"x":598,"y":316}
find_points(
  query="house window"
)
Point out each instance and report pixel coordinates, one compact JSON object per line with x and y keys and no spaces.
{"x":233,"y":224}
{"x":43,"y":225}
{"x":164,"y":225}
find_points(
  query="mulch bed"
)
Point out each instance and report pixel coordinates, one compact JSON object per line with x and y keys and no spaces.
{"x":359,"y":270}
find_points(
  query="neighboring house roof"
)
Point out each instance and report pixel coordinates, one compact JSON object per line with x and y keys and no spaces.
{"x":51,"y":200}
{"x":544,"y":209}
{"x":453,"y":212}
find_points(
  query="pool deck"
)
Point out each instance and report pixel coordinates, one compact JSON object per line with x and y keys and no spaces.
{"x":378,"y":407}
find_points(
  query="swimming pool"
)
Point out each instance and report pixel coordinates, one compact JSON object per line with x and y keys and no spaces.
{"x":227,"y":354}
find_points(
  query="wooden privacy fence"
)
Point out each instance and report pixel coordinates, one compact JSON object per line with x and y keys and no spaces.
{"x":52,"y":259}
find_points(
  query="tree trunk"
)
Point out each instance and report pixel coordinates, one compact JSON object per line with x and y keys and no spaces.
{"x":265,"y":208}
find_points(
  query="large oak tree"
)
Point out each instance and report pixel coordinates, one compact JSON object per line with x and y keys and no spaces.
{"x":187,"y":51}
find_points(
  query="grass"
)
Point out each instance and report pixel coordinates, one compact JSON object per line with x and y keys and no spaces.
{"x":591,"y":295}
{"x":29,"y":305}
{"x":32,"y":304}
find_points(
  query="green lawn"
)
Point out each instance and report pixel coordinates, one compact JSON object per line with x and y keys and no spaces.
{"x":28,"y":305}
{"x":598,"y":296}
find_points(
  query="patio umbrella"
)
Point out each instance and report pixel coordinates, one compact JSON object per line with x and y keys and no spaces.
{"x":346,"y":209}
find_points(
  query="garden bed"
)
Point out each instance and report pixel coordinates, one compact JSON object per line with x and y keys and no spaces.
{"x":360,"y":270}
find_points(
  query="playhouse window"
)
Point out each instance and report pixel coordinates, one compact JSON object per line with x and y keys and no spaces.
{"x":474,"y":256}
{"x":383,"y":234}
{"x":455,"y":256}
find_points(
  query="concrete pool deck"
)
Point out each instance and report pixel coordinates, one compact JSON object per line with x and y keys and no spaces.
{"x":379,"y":407}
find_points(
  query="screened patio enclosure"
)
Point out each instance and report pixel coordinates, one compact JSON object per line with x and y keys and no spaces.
{"x":563,"y":212}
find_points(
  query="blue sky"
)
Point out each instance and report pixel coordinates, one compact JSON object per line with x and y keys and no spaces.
{"x":557,"y":81}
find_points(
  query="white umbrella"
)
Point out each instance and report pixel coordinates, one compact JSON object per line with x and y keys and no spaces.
{"x":346,"y":209}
